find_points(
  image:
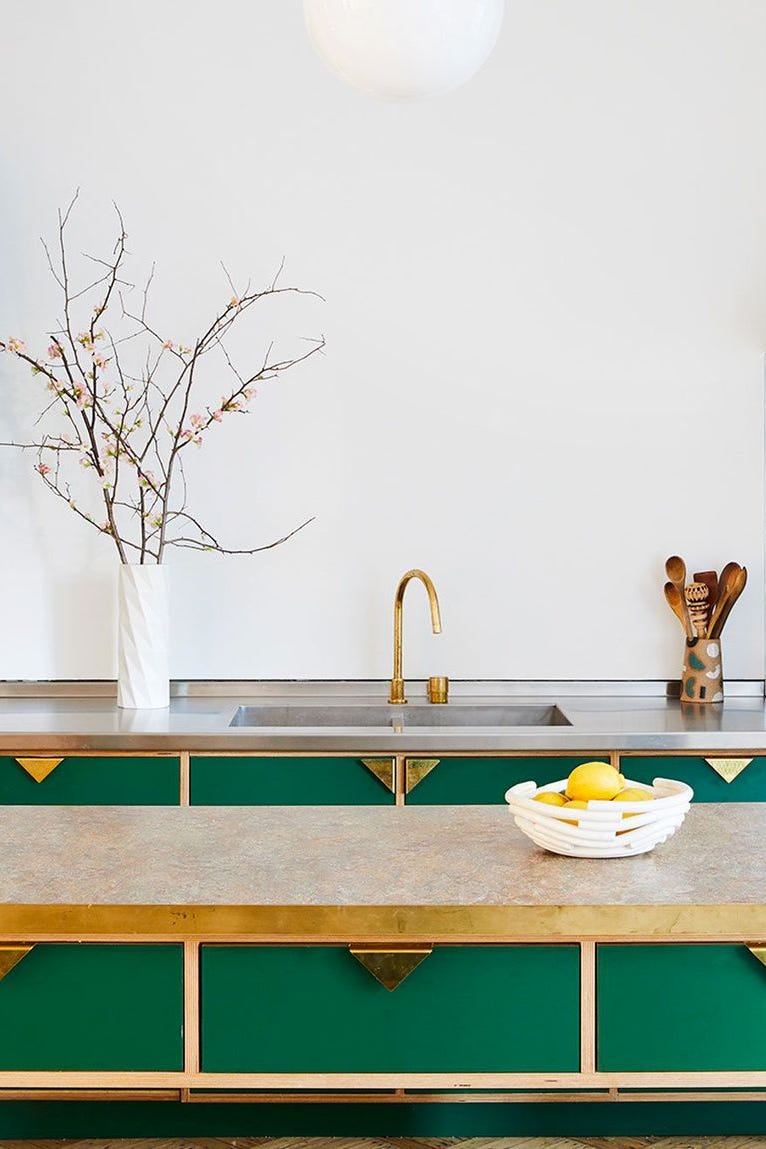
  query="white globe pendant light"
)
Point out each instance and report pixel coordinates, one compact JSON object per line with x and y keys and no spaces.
{"x":404,"y":49}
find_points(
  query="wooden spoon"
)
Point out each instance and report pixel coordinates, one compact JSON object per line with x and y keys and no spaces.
{"x":677,"y":604}
{"x":675,"y":569}
{"x":724,"y":589}
{"x":733,"y":588}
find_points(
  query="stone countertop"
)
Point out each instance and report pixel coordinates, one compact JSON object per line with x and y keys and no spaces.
{"x":599,"y":722}
{"x":453,"y":870}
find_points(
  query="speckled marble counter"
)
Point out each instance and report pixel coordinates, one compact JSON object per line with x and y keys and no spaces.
{"x":338,"y":872}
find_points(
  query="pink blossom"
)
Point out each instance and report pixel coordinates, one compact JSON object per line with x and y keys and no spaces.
{"x":217,"y":415}
{"x":55,"y":352}
{"x":42,"y":468}
{"x":99,"y":361}
{"x":197,"y":421}
{"x":168,"y":345}
{"x":15,"y":345}
{"x":249,"y":393}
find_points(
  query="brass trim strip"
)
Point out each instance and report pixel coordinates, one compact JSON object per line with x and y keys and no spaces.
{"x":588,"y":1007}
{"x":403,"y":1095}
{"x":10,"y":956}
{"x":390,"y":966}
{"x":74,"y":1079}
{"x":384,"y":770}
{"x":39,"y":768}
{"x":381,"y":925}
{"x":184,"y":778}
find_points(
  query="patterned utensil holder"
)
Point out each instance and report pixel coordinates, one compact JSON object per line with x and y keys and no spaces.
{"x":702,"y":679}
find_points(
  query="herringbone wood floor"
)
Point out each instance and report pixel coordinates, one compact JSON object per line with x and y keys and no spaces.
{"x":406,"y":1143}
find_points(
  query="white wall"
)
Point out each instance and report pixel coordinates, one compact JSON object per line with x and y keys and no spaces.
{"x":546,"y":309}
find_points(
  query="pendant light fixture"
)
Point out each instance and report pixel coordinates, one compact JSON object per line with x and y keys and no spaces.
{"x":403,"y":49}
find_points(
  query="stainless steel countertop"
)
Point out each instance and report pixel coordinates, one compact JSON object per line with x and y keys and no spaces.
{"x":599,"y":722}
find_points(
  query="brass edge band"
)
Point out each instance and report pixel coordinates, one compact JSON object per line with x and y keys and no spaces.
{"x":346,"y":924}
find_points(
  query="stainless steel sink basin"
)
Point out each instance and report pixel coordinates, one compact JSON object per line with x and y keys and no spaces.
{"x":460,"y":714}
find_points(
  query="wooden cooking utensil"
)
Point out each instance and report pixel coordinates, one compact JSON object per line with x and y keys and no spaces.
{"x":733,"y":588}
{"x":677,"y":604}
{"x":710,"y":579}
{"x":698,"y":602}
{"x":675,"y":569}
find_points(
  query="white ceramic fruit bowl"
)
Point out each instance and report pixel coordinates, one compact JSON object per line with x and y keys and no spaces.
{"x":601,"y":831}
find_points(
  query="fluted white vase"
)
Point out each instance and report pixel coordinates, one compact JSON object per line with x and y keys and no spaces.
{"x":143,"y":667}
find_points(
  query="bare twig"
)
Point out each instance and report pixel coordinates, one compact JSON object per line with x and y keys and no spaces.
{"x":129,"y":423}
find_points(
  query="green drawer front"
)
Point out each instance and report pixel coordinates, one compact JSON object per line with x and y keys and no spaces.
{"x":318,"y":1010}
{"x":749,"y":786}
{"x":93,"y":1007}
{"x":252,"y":781}
{"x":484,"y":781}
{"x":669,"y":1008}
{"x":94,"y":782}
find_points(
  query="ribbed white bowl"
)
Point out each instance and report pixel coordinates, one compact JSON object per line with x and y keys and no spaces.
{"x":600,"y":830}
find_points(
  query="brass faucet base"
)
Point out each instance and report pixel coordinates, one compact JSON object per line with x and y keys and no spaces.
{"x":396,"y":694}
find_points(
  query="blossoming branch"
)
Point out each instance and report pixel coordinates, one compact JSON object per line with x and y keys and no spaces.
{"x":129,"y":427}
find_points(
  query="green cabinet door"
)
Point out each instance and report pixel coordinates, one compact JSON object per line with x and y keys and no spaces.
{"x":254,"y":781}
{"x":675,"y":1008}
{"x":93,"y":1007}
{"x":101,"y":781}
{"x":708,"y":786}
{"x":484,"y":781}
{"x":318,"y":1010}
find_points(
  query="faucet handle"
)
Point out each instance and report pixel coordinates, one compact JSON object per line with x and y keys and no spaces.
{"x":438,"y":689}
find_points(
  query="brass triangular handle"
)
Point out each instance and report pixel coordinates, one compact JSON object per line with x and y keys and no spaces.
{"x":384,"y":770}
{"x":729,"y":768}
{"x":390,"y":966}
{"x":39,"y":768}
{"x":416,"y":769}
{"x":10,"y":956}
{"x":759,"y":952}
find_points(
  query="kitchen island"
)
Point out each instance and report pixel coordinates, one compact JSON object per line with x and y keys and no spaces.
{"x":346,"y":921}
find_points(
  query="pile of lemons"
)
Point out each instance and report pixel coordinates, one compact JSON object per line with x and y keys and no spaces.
{"x":593,"y":780}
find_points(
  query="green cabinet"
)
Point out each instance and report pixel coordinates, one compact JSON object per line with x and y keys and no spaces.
{"x":484,"y":781}
{"x":708,"y":786}
{"x":676,"y":1008}
{"x":97,"y":781}
{"x":316,"y":1009}
{"x":250,"y":780}
{"x":93,"y":1007}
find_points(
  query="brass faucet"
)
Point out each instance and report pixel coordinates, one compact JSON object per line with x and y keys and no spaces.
{"x":437,"y":688}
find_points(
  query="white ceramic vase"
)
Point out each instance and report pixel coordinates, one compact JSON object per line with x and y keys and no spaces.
{"x":143,"y":670}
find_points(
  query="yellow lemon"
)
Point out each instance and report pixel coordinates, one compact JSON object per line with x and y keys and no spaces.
{"x":597,"y":780}
{"x":631,"y":794}
{"x":551,"y":798}
{"x":577,"y":804}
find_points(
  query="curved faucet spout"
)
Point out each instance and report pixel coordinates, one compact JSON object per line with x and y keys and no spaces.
{"x":397,"y":694}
